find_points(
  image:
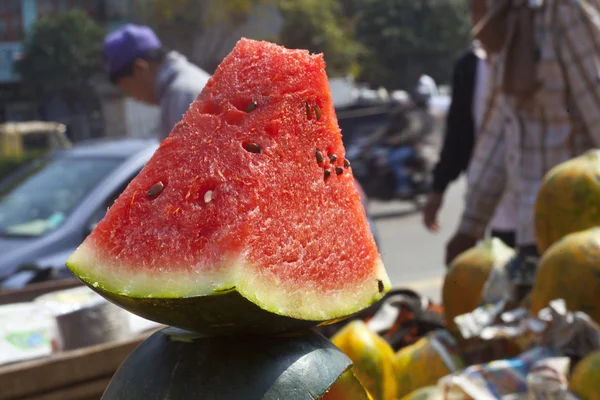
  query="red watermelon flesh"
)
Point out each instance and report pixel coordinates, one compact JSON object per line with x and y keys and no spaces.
{"x":249,"y":194}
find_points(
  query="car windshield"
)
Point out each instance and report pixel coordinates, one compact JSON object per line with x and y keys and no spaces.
{"x":39,"y":198}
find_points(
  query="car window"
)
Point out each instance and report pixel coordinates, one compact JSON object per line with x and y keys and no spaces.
{"x":41,"y":197}
{"x":101,"y":212}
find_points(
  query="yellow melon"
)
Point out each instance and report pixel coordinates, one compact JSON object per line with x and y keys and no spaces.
{"x":347,"y":387}
{"x":427,"y":361}
{"x":427,"y":393}
{"x":585,"y":381}
{"x":570,"y":270}
{"x":467,"y":275}
{"x":568,"y":199}
{"x":372,"y":358}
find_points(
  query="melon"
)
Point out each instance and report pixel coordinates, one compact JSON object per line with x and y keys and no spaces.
{"x":246,"y":219}
{"x":585,"y":380}
{"x":372,"y":358}
{"x":181,"y":365}
{"x":570,"y":270}
{"x":567,"y":201}
{"x":462,"y":291}
{"x":347,"y":387}
{"x":426,"y":393}
{"x":424,"y":363}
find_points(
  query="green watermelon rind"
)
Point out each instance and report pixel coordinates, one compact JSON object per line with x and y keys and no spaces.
{"x":226,"y":308}
{"x":303,"y":366}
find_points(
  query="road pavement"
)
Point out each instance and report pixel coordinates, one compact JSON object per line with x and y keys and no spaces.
{"x":414,"y":257}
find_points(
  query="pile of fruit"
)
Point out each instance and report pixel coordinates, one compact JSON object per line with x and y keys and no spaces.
{"x":568,"y":215}
{"x":568,"y":238}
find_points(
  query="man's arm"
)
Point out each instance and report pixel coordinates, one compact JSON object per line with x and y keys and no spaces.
{"x":487,"y":172}
{"x":458,"y":140}
{"x":579,"y":54}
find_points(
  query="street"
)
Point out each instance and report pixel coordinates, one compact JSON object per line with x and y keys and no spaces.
{"x":413,"y":256}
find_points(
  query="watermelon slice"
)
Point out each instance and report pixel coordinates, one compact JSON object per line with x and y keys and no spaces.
{"x":246,"y":218}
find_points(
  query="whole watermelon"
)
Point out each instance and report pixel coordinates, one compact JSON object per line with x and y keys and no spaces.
{"x":570,"y":270}
{"x":181,"y":365}
{"x":568,"y":200}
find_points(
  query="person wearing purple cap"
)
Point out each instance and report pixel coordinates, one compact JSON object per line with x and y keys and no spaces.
{"x":143,"y":69}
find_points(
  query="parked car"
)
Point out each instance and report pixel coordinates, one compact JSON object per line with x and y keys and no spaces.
{"x":50,"y":205}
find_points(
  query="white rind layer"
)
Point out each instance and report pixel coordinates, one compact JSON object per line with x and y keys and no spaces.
{"x":264,"y":290}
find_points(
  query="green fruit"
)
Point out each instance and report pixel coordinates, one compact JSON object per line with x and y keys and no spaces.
{"x":179,"y":365}
{"x":567,"y":200}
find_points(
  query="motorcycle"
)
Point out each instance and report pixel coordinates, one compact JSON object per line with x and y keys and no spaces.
{"x":371,"y":167}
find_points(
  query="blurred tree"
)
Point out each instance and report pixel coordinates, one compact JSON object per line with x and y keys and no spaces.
{"x":321,"y":26}
{"x":61,"y":56}
{"x":405,"y":36}
{"x":202,"y":30}
{"x":62,"y":53}
{"x":350,"y":7}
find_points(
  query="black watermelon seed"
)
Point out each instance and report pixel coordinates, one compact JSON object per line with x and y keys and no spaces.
{"x":346,"y":163}
{"x":332,"y":157}
{"x":307,"y":110}
{"x":251,"y":107}
{"x":380,"y":286}
{"x":326,"y":173}
{"x":252,"y":147}
{"x":339,"y":170}
{"x":319,"y":157}
{"x":155,"y":190}
{"x":317,"y":112}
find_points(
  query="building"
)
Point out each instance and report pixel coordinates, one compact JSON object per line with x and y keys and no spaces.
{"x":116,"y":116}
{"x":15,"y":18}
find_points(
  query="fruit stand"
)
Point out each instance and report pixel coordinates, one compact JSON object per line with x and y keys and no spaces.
{"x":245,"y":235}
{"x":81,"y":374}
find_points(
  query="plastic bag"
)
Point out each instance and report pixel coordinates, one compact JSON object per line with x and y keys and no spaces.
{"x":547,"y":380}
{"x":495,"y":380}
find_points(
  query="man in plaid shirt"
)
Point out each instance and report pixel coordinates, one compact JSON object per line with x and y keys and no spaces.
{"x":543,"y":107}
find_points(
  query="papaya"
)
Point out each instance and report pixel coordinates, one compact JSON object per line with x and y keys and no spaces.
{"x":347,"y":387}
{"x":424,"y":363}
{"x":567,"y":200}
{"x":585,"y":380}
{"x":372,"y":358}
{"x":467,"y":275}
{"x":570,"y":270}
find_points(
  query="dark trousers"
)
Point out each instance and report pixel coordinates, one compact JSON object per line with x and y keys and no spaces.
{"x":508,"y":237}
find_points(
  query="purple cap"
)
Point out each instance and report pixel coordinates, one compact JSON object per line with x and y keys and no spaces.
{"x":128,"y":43}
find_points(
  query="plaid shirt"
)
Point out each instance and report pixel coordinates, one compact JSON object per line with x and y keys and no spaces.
{"x":520,"y":141}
